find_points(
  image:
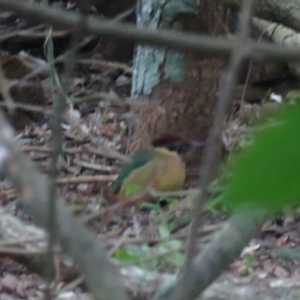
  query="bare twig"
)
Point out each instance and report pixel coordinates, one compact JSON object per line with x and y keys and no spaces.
{"x":101,"y":151}
{"x":97,"y":98}
{"x":94,"y":166}
{"x":58,"y":109}
{"x":76,"y":180}
{"x":182,"y":193}
{"x":29,"y":107}
{"x":86,"y":179}
{"x":106,"y":152}
{"x":127,"y":201}
{"x":79,"y":280}
{"x":212,"y":150}
{"x":119,"y":243}
{"x":124,"y":15}
{"x":80,"y":179}
{"x":20,"y":32}
{"x":187,"y":42}
{"x":21,"y":241}
{"x":248,"y":75}
{"x":104,"y":63}
{"x":269,"y":9}
{"x":19,"y":251}
{"x":184,"y":287}
{"x":4,"y":90}
{"x":179,"y":236}
{"x":44,"y":149}
{"x":81,"y":244}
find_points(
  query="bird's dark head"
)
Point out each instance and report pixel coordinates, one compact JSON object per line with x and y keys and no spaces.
{"x":177,"y":143}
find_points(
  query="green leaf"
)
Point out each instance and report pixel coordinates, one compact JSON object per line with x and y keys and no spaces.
{"x":151,"y":206}
{"x":164,"y":230}
{"x":99,"y":199}
{"x":269,"y":92}
{"x":250,"y":261}
{"x":213,"y":205}
{"x":128,"y":254}
{"x":77,"y":208}
{"x":38,"y":141}
{"x":178,"y":258}
{"x":267,"y":173}
{"x":172,"y":244}
{"x":72,"y":98}
{"x":132,"y":188}
{"x":171,"y":256}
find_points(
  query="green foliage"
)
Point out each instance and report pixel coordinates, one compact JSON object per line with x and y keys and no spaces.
{"x":267,"y":173}
{"x":38,"y":141}
{"x":269,"y":92}
{"x":151,"y":206}
{"x":72,"y":98}
{"x":105,"y":119}
{"x":164,"y":230}
{"x":132,"y":188}
{"x":99,"y":200}
{"x":250,"y":262}
{"x":123,"y":131}
{"x":128,"y":254}
{"x":160,"y":256}
{"x":214,"y":205}
{"x":77,"y":208}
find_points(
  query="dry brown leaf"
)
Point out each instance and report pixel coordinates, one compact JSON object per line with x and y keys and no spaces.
{"x":280,"y":272}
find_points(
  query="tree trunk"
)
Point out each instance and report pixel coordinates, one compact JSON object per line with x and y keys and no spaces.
{"x":176,"y":91}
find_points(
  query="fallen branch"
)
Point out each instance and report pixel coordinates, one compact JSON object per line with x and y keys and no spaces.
{"x":283,"y":12}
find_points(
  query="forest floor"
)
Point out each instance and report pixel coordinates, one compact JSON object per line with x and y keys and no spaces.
{"x":94,"y":148}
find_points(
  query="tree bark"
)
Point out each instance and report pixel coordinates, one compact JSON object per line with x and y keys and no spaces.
{"x":176,"y":91}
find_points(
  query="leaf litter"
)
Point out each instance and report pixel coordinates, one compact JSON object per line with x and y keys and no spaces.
{"x":94,"y":146}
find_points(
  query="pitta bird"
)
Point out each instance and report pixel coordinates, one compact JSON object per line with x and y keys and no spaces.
{"x":160,"y":166}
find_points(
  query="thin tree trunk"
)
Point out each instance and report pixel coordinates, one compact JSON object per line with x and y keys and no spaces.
{"x":177,"y":91}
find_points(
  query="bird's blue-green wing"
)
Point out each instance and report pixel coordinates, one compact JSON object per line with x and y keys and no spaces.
{"x":137,"y":160}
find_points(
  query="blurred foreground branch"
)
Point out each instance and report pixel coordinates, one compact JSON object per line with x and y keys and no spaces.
{"x":187,"y":42}
{"x":143,"y":284}
{"x":82,"y":245}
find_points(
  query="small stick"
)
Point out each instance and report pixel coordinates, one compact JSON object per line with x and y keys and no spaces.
{"x":22,"y":241}
{"x":180,"y":236}
{"x":94,"y":166}
{"x":86,"y":179}
{"x":127,"y":201}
